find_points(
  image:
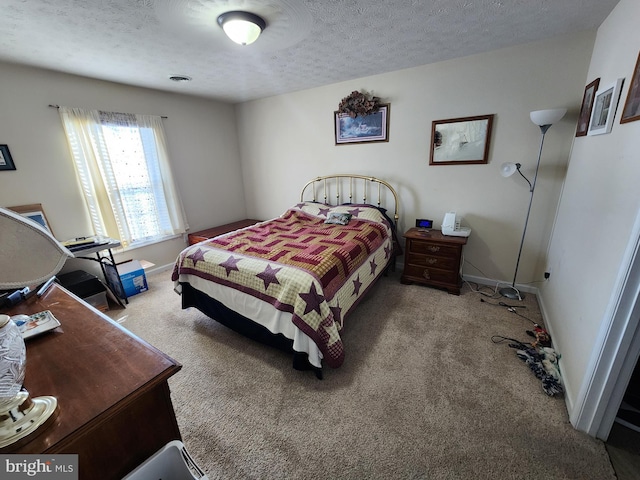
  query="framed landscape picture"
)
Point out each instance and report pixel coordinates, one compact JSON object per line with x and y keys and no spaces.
{"x":587,"y":106}
{"x":604,"y":108}
{"x":461,"y":141}
{"x":631,"y":111}
{"x":362,"y":129}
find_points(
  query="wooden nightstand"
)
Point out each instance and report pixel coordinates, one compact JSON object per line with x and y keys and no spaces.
{"x":197,"y":237}
{"x":433,"y":259}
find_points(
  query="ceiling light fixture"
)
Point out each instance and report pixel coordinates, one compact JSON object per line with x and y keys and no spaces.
{"x":243,"y":28}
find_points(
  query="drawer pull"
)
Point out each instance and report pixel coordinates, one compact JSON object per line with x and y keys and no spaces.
{"x":433,"y":248}
{"x":426,"y":275}
{"x":431,"y":261}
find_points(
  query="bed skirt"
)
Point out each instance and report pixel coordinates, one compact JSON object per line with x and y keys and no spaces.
{"x":244,"y":326}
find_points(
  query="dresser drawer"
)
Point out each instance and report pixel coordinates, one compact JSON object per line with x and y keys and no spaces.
{"x":418,"y":246}
{"x":444,"y":262}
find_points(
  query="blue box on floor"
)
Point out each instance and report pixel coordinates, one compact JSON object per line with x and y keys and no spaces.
{"x":132,"y":276}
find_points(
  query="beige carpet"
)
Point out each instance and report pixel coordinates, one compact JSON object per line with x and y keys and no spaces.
{"x":423,"y":393}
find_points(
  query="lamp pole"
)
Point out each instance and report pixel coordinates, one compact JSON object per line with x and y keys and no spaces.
{"x":544,"y":119}
{"x":512,"y":291}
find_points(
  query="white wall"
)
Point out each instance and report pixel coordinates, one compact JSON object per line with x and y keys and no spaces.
{"x":598,"y":209}
{"x":201,"y":136}
{"x":289,"y":139}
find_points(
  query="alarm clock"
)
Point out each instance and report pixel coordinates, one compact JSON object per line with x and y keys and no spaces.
{"x":424,"y":223}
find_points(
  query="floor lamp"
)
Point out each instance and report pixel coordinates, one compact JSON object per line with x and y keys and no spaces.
{"x":544,"y":119}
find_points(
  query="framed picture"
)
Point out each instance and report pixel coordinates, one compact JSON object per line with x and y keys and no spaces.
{"x":6,"y":162}
{"x":604,"y":108}
{"x":631,"y":111}
{"x":361,"y":129}
{"x":461,"y":141}
{"x":33,"y":212}
{"x":587,"y":106}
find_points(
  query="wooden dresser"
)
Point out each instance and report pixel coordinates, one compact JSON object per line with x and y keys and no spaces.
{"x":433,"y":259}
{"x":197,"y":237}
{"x":114,"y":405}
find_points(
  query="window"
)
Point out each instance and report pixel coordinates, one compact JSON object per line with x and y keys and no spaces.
{"x":123,"y":167}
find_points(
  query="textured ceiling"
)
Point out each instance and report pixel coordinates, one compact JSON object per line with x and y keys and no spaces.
{"x":307,"y":43}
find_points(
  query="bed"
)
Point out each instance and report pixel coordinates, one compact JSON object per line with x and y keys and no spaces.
{"x":291,"y":281}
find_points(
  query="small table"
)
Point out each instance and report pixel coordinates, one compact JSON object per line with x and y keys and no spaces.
{"x":433,"y":259}
{"x":97,"y":249}
{"x":114,"y":404}
{"x":197,"y":237}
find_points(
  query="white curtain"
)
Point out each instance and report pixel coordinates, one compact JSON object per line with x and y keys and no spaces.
{"x":123,"y":167}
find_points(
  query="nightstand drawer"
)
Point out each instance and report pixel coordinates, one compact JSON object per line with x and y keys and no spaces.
{"x":429,"y":248}
{"x":431,"y":274}
{"x":445,"y":263}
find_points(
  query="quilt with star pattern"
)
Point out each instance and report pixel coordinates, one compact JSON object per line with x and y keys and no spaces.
{"x":314,"y":270}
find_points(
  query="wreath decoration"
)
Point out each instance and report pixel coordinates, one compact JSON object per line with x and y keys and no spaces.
{"x":359,"y":104}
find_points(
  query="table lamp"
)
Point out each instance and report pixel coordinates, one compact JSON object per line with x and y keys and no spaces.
{"x":29,"y":256}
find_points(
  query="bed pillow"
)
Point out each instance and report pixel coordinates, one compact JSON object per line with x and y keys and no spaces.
{"x":338,"y":218}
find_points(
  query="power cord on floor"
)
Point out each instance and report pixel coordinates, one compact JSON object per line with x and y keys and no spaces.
{"x":516,"y":344}
{"x":511,"y":308}
{"x":494,"y":293}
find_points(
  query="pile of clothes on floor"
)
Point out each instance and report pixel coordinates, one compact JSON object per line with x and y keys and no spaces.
{"x":542,"y":360}
{"x":539,"y":356}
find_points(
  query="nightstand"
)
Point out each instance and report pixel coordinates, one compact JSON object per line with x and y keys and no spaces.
{"x":433,"y":259}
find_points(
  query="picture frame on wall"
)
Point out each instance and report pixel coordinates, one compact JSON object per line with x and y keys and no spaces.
{"x":587,"y":106}
{"x":33,"y":212}
{"x":362,"y":129}
{"x":604,"y":108}
{"x":6,"y":162}
{"x":461,"y":141}
{"x":631,"y":110}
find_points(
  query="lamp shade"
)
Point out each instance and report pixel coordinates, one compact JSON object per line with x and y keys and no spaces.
{"x":243,"y":28}
{"x":507,"y":169}
{"x":547,"y":117}
{"x":30,"y":255}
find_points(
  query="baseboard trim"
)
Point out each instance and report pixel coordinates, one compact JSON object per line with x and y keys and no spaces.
{"x":159,"y":269}
{"x":493,"y":283}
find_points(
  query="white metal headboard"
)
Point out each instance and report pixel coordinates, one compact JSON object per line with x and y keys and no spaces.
{"x":336,"y":184}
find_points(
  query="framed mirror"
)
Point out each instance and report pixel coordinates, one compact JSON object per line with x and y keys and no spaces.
{"x":461,"y":141}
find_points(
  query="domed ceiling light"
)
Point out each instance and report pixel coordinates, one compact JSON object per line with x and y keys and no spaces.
{"x":243,"y":28}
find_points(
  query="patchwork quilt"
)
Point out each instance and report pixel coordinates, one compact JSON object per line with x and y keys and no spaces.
{"x":299,"y":263}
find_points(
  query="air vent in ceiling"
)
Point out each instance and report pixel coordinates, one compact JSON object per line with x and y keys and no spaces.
{"x":180,"y":78}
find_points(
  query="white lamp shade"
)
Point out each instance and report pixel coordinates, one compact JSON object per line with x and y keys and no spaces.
{"x":507,"y":169}
{"x":244,"y":28}
{"x":30,"y":255}
{"x":547,"y":117}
